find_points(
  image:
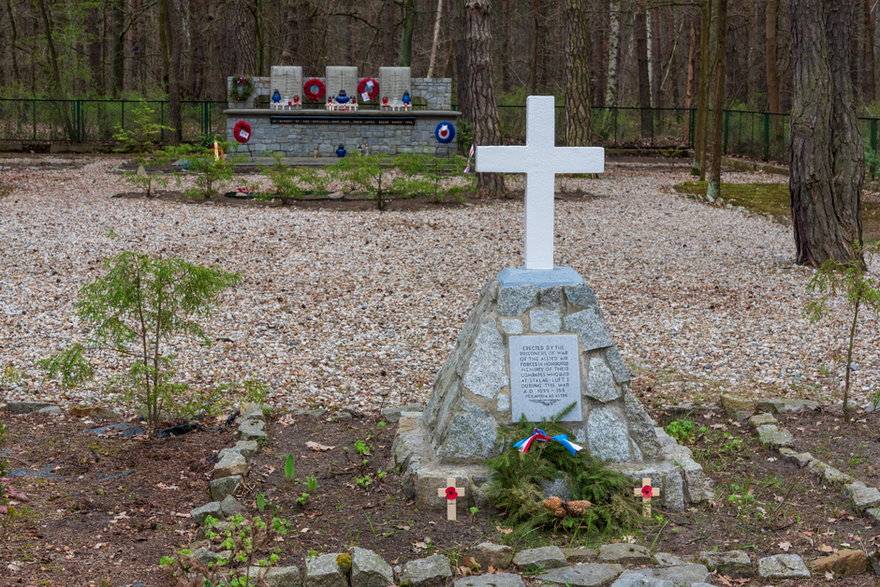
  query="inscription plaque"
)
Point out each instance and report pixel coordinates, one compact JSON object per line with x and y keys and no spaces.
{"x":394,"y":81}
{"x":545,"y":377}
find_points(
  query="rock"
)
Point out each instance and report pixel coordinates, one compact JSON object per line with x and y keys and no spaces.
{"x":665,"y":559}
{"x":231,"y":463}
{"x":583,"y":575}
{"x":231,"y":506}
{"x":511,"y":326}
{"x":737,"y":408}
{"x":513,"y":301}
{"x":486,"y":374}
{"x":472,"y":432}
{"x":368,"y":569}
{"x":772,"y":435}
{"x":842,"y":563}
{"x":26,"y":407}
{"x":761,"y":420}
{"x":787,"y":405}
{"x":433,"y":570}
{"x":802,"y":459}
{"x":253,"y":430}
{"x":829,"y":473}
{"x":283,"y":577}
{"x":862,"y":496}
{"x":621,"y":552}
{"x":50,"y":410}
{"x":733,"y":563}
{"x":547,"y":557}
{"x":639,"y":579}
{"x":494,"y":580}
{"x":600,"y":381}
{"x":324,"y":571}
{"x":545,"y":320}
{"x":679,"y":575}
{"x":579,"y":555}
{"x":247,"y":448}
{"x":874,"y":559}
{"x":591,"y":328}
{"x":206,"y":555}
{"x":488,"y":554}
{"x":99,"y":412}
{"x":224,"y":486}
{"x":392,"y":414}
{"x":782,"y":566}
{"x":212,"y":509}
{"x":341,"y":416}
{"x":874,"y":513}
{"x":607,"y":435}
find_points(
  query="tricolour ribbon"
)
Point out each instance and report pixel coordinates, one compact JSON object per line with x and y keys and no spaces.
{"x":470,"y":156}
{"x":526,"y":443}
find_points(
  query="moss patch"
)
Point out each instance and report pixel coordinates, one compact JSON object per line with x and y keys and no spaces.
{"x":772,"y":199}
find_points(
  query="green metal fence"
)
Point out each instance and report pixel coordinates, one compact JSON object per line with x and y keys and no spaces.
{"x":760,"y":135}
{"x":88,"y":121}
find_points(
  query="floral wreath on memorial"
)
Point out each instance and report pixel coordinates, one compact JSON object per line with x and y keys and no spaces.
{"x":242,"y":89}
{"x":370,"y":86}
{"x":241,"y":131}
{"x":314,"y":89}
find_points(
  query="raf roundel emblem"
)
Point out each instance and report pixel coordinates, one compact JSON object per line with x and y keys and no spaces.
{"x":445,"y":132}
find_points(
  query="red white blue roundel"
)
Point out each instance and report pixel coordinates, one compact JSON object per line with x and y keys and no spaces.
{"x":444,"y":132}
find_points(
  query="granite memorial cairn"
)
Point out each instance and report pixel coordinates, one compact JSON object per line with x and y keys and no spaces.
{"x":534,"y":344}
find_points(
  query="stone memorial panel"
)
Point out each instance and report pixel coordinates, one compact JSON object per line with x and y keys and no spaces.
{"x":545,"y":377}
{"x":339,"y":77}
{"x":287,"y":79}
{"x":394,"y":81}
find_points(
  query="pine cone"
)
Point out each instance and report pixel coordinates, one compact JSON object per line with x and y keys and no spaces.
{"x":562,"y":508}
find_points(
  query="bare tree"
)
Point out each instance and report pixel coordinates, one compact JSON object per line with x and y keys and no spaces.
{"x":577,"y":74}
{"x":719,"y":54}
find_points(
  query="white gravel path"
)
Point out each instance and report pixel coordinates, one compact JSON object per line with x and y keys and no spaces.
{"x":360,"y":309}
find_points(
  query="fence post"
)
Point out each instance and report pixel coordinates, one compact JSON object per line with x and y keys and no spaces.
{"x":874,"y":144}
{"x":766,"y":154}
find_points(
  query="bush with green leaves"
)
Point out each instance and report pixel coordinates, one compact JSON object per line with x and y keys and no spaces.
{"x":429,"y":175}
{"x":242,"y":544}
{"x":140,"y":308}
{"x":860,"y":288}
{"x":515,"y":488}
{"x":143,"y":134}
{"x":370,"y":174}
{"x":207,"y":169}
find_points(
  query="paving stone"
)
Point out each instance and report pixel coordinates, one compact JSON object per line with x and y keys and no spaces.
{"x":583,"y":575}
{"x":802,"y":459}
{"x":639,"y":579}
{"x":665,"y":559}
{"x":680,"y":575}
{"x":324,"y":571}
{"x":782,"y":566}
{"x":368,"y":569}
{"x":842,"y":563}
{"x":580,"y":555}
{"x":433,"y":570}
{"x":212,"y":509}
{"x":761,"y":420}
{"x":489,"y":554}
{"x":621,"y":552}
{"x":734,"y":563}
{"x":862,"y":496}
{"x":224,"y":486}
{"x":737,"y":408}
{"x":493,"y":580}
{"x":231,"y":463}
{"x":548,"y":557}
{"x":772,"y":435}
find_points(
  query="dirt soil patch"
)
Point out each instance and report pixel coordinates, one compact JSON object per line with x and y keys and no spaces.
{"x":90,"y":522}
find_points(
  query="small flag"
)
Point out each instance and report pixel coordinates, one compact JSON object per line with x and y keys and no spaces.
{"x":471,"y":153}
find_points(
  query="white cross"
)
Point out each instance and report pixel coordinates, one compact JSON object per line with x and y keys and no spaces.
{"x":540,"y":159}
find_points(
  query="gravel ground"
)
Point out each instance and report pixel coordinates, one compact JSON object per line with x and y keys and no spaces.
{"x":360,"y":309}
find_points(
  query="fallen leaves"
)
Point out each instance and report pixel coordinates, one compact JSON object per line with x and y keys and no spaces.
{"x":318,"y":447}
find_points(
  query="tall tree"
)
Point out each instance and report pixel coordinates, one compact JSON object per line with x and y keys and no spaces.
{"x":476,"y":77}
{"x":406,"y":37}
{"x":771,"y":65}
{"x":641,"y":35}
{"x":435,"y":39}
{"x":577,"y":74}
{"x":703,"y":83}
{"x":826,"y":152}
{"x":719,"y":54}
{"x":613,"y":53}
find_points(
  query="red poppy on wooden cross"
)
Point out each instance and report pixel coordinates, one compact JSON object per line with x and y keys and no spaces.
{"x":451,"y":493}
{"x":646,"y":491}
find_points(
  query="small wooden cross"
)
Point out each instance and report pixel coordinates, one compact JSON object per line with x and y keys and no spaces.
{"x":451,"y":493}
{"x":646,"y":491}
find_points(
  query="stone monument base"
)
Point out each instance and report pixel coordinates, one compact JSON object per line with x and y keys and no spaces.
{"x":545,"y":328}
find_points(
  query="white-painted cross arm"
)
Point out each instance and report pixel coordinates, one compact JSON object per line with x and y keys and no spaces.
{"x":540,"y":159}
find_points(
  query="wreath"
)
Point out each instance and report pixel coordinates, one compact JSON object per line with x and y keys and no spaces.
{"x":314,"y":89}
{"x":242,"y":89}
{"x":241,"y":131}
{"x":370,"y":86}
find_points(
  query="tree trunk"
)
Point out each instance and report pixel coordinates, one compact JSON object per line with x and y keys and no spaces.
{"x":409,"y":20}
{"x":641,"y":35}
{"x":689,"y":87}
{"x":13,"y":43}
{"x":871,"y":75}
{"x":613,"y":53}
{"x":481,"y":108}
{"x":702,"y":117}
{"x":435,"y":39}
{"x":170,"y":15}
{"x":507,"y":75}
{"x":537,"y":43}
{"x":713,"y":187}
{"x":117,"y":51}
{"x":577,"y":74}
{"x":771,"y":66}
{"x":826,"y":153}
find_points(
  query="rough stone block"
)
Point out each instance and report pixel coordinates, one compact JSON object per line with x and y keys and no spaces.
{"x":607,"y":434}
{"x":231,"y":463}
{"x":801,"y":459}
{"x":253,"y":430}
{"x":636,"y":578}
{"x":761,"y":420}
{"x":547,"y":557}
{"x":782,"y":566}
{"x":231,"y":506}
{"x":470,"y":436}
{"x":591,"y":328}
{"x":580,"y":555}
{"x":733,"y":563}
{"x":514,"y":301}
{"x":600,"y":381}
{"x":422,"y":572}
{"x":212,"y":509}
{"x":489,"y":554}
{"x":493,"y":580}
{"x":617,"y":364}
{"x":26,"y":407}
{"x":583,"y":575}
{"x":368,"y":569}
{"x":544,"y":321}
{"x":737,"y":408}
{"x":486,"y":372}
{"x":842,"y":563}
{"x":787,"y":405}
{"x":324,"y":571}
{"x":392,"y":414}
{"x":621,"y":552}
{"x":581,"y":295}
{"x":247,"y":448}
{"x":680,"y":575}
{"x":511,"y":326}
{"x":665,"y":559}
{"x":862,"y":496}
{"x":224,"y":486}
{"x":772,"y":435}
